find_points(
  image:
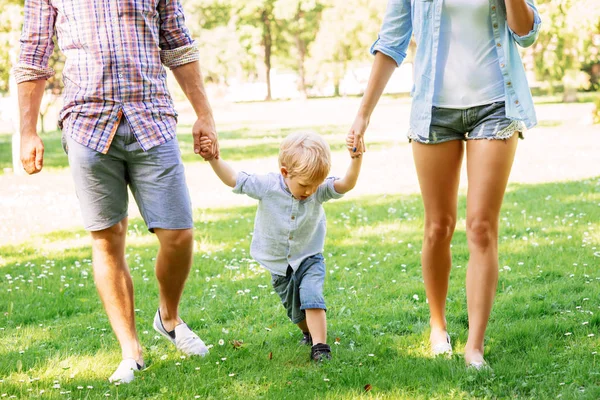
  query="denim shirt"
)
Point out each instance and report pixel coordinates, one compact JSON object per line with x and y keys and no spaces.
{"x":423,"y":18}
{"x":286,"y":230}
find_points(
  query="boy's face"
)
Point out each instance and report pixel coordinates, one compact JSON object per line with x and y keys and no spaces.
{"x":301,"y":188}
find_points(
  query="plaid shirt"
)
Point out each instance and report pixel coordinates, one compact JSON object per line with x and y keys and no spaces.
{"x":114,"y":54}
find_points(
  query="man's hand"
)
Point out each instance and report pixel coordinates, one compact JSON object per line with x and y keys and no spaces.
{"x":32,"y":153}
{"x":204,"y":128}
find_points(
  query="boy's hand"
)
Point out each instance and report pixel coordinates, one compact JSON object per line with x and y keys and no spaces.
{"x":204,"y":128}
{"x":350,"y":143}
{"x":206,"y":145}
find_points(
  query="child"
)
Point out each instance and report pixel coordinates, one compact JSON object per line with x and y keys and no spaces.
{"x":289,"y":229}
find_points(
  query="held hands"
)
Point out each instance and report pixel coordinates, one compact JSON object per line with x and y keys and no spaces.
{"x":204,"y":131}
{"x":32,"y":153}
{"x":206,"y":146}
{"x":355,"y":139}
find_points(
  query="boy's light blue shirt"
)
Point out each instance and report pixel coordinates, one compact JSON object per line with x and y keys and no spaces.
{"x":286,"y":230}
{"x":423,"y":18}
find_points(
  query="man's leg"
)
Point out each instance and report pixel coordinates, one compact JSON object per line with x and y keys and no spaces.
{"x":159,"y":187}
{"x":115,"y":287}
{"x":173,"y":265}
{"x":101,"y":186}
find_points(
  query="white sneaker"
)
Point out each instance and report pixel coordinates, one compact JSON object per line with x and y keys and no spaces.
{"x":443,"y":348}
{"x":182,"y":337}
{"x":125,"y":371}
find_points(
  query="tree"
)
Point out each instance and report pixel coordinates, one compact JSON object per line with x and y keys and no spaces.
{"x":301,"y":21}
{"x":348,"y":28}
{"x":566,"y":41}
{"x":257,"y":17}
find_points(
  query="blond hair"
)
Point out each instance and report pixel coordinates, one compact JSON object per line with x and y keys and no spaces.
{"x":305,"y":155}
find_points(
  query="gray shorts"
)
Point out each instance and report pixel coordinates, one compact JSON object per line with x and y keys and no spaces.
{"x":302,"y":289}
{"x":482,"y":122}
{"x":156,"y":179}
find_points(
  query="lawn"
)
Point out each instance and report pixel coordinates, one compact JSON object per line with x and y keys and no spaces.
{"x":543,"y":338}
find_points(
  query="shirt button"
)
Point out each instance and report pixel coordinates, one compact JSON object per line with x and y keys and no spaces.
{"x":120,"y":75}
{"x":493,"y":8}
{"x":501,"y":65}
{"x":499,"y":45}
{"x":291,"y":237}
{"x":516,"y":101}
{"x":289,"y":256}
{"x":508,"y":83}
{"x":495,"y":25}
{"x":293,"y":217}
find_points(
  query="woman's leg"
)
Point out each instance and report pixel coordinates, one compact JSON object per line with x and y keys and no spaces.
{"x":438,"y":168}
{"x":488,"y":167}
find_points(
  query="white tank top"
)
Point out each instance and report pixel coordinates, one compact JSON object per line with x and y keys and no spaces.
{"x":468,"y":72}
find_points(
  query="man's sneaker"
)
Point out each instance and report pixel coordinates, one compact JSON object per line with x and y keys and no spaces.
{"x":306,"y":339}
{"x":125,"y":371}
{"x":320,"y":352}
{"x":182,"y":337}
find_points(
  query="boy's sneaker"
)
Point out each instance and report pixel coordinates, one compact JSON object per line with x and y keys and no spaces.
{"x":125,"y":371}
{"x":182,"y":337}
{"x":320,"y":352}
{"x":307,"y":339}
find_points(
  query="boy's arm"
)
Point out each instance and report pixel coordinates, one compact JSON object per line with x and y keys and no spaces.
{"x":348,"y":182}
{"x":224,"y":171}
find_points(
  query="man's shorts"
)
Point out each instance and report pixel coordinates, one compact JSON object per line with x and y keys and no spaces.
{"x":156,"y":178}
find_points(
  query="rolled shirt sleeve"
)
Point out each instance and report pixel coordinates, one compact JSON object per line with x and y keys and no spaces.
{"x":396,"y":31}
{"x":530,"y":38}
{"x":176,"y":44}
{"x":326,"y":191}
{"x":37,"y":42}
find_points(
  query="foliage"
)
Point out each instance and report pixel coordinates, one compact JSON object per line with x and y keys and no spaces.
{"x":569,"y":39}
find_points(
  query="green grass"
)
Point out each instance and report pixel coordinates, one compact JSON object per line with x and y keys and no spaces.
{"x":240,"y":144}
{"x":53,"y":330}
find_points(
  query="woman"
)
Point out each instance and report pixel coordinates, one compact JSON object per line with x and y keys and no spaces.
{"x":470,"y":85}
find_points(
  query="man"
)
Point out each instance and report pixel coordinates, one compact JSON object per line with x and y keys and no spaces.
{"x":118,"y":125}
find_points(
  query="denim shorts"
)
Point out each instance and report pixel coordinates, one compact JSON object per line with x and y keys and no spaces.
{"x":302,"y":289}
{"x":156,"y":178}
{"x":481,"y":122}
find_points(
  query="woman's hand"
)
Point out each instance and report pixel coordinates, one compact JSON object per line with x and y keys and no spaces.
{"x":357,"y":134}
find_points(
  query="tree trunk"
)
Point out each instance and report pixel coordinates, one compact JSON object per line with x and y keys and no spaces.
{"x":268,"y":44}
{"x":42,"y":129}
{"x":301,"y":46}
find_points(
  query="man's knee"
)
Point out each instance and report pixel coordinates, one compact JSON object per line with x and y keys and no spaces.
{"x":113,"y":236}
{"x":176,"y":239}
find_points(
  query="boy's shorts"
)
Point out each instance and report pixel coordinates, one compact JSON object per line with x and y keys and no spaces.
{"x":156,"y":178}
{"x":481,"y":122}
{"x":302,"y":289}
